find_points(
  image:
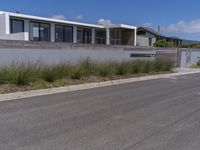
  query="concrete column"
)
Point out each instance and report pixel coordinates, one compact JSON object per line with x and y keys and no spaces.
{"x":7,"y":22}
{"x":52,"y":36}
{"x":75,"y":34}
{"x":26,"y":30}
{"x":93,"y":35}
{"x":107,"y":36}
{"x":135,"y":37}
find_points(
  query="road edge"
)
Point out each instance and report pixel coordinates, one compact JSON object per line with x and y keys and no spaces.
{"x":43,"y":92}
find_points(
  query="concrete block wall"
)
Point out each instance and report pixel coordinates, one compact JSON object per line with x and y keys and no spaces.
{"x":54,"y":52}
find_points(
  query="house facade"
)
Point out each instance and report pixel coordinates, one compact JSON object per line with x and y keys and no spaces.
{"x":147,"y":37}
{"x":16,"y":26}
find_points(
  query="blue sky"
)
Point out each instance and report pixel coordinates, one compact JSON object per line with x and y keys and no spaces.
{"x":176,"y":17}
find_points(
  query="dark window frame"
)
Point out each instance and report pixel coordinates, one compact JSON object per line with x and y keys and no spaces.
{"x":64,"y":36}
{"x":89,"y":37}
{"x":40,"y":30}
{"x":11,"y":25}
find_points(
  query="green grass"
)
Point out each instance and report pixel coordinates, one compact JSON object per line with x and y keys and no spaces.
{"x":19,"y":74}
{"x":197,"y":65}
{"x":27,"y":73}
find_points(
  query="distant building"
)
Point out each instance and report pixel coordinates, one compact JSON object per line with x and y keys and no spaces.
{"x":147,"y":37}
{"x":16,"y":26}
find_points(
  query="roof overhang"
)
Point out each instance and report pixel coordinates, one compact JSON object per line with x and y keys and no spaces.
{"x":53,"y":20}
{"x":123,"y":26}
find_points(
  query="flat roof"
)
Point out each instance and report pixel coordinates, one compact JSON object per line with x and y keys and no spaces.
{"x":53,"y":20}
{"x":123,"y":26}
{"x":18,"y":15}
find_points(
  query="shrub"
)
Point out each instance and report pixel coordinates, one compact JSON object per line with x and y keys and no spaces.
{"x":124,"y":68}
{"x":135,"y":66}
{"x":19,"y":74}
{"x":25,"y":73}
{"x":77,"y":73}
{"x":86,"y":67}
{"x":107,"y":69}
{"x":48,"y":73}
{"x":162,"y":65}
{"x":164,"y":43}
{"x":198,"y":63}
{"x":146,"y":67}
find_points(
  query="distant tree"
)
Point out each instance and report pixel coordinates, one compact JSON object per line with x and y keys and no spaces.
{"x":192,"y":46}
{"x":164,"y":43}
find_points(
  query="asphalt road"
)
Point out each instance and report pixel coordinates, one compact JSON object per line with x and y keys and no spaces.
{"x":162,"y":114}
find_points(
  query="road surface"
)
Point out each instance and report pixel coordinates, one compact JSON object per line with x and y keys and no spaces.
{"x":161,"y":114}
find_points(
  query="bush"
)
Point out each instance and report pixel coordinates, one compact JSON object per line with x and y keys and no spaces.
{"x":50,"y":73}
{"x":77,"y":73}
{"x":124,"y":68}
{"x":107,"y":69}
{"x":26,"y":73}
{"x":146,"y":67}
{"x":164,"y":43}
{"x":19,"y":74}
{"x":162,"y":65}
{"x":198,"y":63}
{"x":86,"y":67}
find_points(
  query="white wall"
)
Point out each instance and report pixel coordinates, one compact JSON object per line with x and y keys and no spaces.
{"x":3,"y":24}
{"x":189,"y":57}
{"x":56,"y":56}
{"x":5,"y":29}
{"x":144,"y":41}
{"x":23,"y":36}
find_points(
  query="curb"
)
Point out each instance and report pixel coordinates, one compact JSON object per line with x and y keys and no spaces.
{"x":43,"y":92}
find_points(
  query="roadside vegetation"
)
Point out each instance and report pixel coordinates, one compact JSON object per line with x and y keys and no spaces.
{"x":195,"y":46}
{"x":30,"y":76}
{"x":164,"y":43}
{"x":197,"y":65}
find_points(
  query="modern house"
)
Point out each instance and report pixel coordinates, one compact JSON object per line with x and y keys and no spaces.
{"x":147,"y":37}
{"x":16,"y":26}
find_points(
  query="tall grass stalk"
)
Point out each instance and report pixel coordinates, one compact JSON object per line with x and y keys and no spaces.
{"x":27,"y":72}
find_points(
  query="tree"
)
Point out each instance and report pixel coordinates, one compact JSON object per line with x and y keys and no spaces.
{"x":164,"y":43}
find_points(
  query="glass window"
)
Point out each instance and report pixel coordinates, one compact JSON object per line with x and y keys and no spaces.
{"x":150,"y":41}
{"x":59,"y":33}
{"x":115,"y":36}
{"x":16,"y":26}
{"x":84,"y":35}
{"x":39,"y":31}
{"x":100,"y":36}
{"x":64,"y":34}
{"x":34,"y":31}
{"x":68,"y":34}
{"x":44,"y":32}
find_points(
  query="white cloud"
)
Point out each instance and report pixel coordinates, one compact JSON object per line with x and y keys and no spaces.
{"x":148,"y":24}
{"x":105,"y":22}
{"x":79,"y":17}
{"x":188,"y":27}
{"x":60,"y":17}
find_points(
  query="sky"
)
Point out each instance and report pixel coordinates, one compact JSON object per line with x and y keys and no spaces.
{"x":180,"y":18}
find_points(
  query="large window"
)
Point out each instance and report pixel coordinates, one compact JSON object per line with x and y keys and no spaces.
{"x":39,"y":31}
{"x":100,"y":36}
{"x":16,"y":26}
{"x":84,"y":35}
{"x":59,"y":33}
{"x":115,"y":37}
{"x":63,"y":33}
